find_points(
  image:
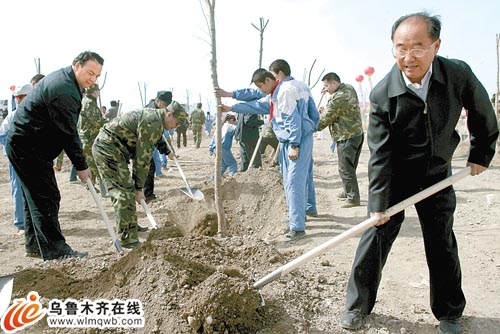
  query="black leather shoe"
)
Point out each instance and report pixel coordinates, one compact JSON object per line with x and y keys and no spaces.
{"x":73,"y":255}
{"x":450,"y":326}
{"x":352,"y":320}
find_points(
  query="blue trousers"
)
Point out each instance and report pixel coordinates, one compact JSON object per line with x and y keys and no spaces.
{"x":228,"y":161}
{"x":17,"y":198}
{"x":157,"y":160}
{"x":311,"y":192}
{"x":294,"y":182}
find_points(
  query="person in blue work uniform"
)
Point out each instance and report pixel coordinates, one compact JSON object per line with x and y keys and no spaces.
{"x":17,"y":192}
{"x":249,"y":94}
{"x":294,"y":118}
{"x":228,"y":160}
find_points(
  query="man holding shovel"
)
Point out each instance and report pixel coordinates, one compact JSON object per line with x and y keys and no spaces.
{"x":412,"y":137}
{"x":44,"y":125}
{"x":131,"y":136}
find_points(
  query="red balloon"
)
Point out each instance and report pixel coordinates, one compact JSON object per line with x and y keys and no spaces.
{"x":12,"y":88}
{"x":369,"y":71}
{"x":360,"y":78}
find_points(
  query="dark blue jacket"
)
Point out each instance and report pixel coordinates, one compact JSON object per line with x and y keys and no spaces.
{"x":46,"y":120}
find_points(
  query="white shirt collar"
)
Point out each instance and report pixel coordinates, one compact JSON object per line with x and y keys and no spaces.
{"x":419,"y":88}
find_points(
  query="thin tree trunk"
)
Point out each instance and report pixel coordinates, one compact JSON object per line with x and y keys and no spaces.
{"x":221,"y":216}
{"x":261,"y":31}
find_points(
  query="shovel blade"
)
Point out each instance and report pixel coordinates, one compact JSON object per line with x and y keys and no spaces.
{"x":6,"y":283}
{"x":194,"y":193}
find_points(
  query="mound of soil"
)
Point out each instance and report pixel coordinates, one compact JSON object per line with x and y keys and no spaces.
{"x":190,"y":279}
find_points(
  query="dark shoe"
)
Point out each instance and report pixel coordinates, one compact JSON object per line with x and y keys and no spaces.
{"x":311,"y":213}
{"x":450,"y":326}
{"x":130,"y":245}
{"x":349,"y":204}
{"x":35,"y":255}
{"x":295,"y":235}
{"x":352,"y":320}
{"x":151,"y":197}
{"x":73,"y":255}
{"x":142,"y":228}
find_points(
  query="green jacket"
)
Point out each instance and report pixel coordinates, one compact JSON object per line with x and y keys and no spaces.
{"x":342,"y":115}
{"x":90,"y":120}
{"x":197,"y":118}
{"x":133,"y":135}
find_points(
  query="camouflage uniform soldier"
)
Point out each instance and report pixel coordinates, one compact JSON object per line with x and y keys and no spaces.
{"x":183,"y":122}
{"x":131,"y":136}
{"x":343,"y":119}
{"x":197,"y":120}
{"x":89,"y":123}
{"x":269,"y":139}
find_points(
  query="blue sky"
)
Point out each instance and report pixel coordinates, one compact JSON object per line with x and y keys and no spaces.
{"x":164,"y":43}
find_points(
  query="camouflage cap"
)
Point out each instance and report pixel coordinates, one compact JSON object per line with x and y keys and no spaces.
{"x":178,"y":110}
{"x":92,"y":89}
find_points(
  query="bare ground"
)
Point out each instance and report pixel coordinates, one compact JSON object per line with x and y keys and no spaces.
{"x":185,"y":274}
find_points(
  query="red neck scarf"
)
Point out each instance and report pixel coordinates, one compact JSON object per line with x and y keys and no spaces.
{"x":271,"y":109}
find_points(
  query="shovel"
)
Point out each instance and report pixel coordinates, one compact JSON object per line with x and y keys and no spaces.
{"x":361,"y":227}
{"x":6,"y":283}
{"x":193,"y":193}
{"x":111,"y":231}
{"x":148,"y":213}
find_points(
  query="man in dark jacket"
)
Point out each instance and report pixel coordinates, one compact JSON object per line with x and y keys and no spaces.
{"x":44,"y":125}
{"x":412,"y":137}
{"x":247,"y":133}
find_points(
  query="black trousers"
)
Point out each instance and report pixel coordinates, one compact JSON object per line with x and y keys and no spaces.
{"x":436,"y":221}
{"x":42,"y":231}
{"x":149,"y":186}
{"x":348,"y":152}
{"x":246,"y":151}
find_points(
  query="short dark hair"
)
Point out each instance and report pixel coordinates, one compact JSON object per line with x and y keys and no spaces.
{"x":261,"y":74}
{"x":433,"y":24}
{"x":36,"y":78}
{"x":85,"y":56}
{"x":113,"y":103}
{"x":229,"y":117}
{"x":280,"y":65}
{"x":199,"y":105}
{"x":332,"y":76}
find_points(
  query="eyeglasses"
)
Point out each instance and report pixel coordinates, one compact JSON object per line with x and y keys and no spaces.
{"x":399,"y":53}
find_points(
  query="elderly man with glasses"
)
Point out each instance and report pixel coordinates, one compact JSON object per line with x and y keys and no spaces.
{"x":412,"y":137}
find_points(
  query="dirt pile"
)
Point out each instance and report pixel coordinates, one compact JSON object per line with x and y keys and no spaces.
{"x":190,"y":280}
{"x":187,"y":279}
